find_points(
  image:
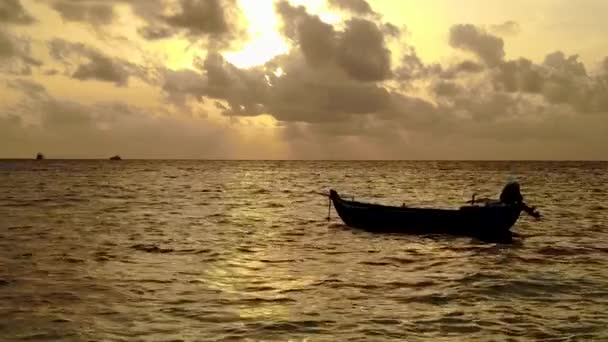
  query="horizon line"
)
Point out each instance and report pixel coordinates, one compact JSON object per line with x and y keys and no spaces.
{"x":312,"y":159}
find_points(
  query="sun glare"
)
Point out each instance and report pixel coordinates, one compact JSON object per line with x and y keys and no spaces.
{"x":266,"y":41}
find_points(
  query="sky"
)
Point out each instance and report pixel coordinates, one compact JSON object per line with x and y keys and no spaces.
{"x":304,"y":79}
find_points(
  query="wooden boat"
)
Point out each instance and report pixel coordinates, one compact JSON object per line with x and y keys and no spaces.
{"x":489,"y":222}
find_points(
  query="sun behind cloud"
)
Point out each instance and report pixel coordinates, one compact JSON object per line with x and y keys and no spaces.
{"x":266,"y":41}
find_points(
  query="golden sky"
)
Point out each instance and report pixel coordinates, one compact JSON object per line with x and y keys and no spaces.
{"x":300,"y":79}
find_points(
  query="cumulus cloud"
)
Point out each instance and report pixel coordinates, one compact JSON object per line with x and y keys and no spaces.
{"x":12,"y":12}
{"x":338,"y":93}
{"x":560,"y":80}
{"x":412,"y":68}
{"x":359,"y":50}
{"x":320,"y":92}
{"x":245,"y":91}
{"x":362,"y":52}
{"x":489,"y":48}
{"x":302,"y":93}
{"x":316,"y":39}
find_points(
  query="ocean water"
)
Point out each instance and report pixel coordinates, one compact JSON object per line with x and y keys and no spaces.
{"x":243,"y":251}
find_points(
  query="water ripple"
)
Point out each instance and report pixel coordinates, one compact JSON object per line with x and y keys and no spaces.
{"x":233,"y":251}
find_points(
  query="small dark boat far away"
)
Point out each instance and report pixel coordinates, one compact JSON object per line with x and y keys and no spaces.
{"x":115,"y":158}
{"x":490,"y":222}
{"x":39,"y":156}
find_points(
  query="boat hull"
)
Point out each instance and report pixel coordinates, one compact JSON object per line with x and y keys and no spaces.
{"x":491,"y":223}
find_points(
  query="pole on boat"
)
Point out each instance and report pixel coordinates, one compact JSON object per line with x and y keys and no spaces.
{"x":328,"y":203}
{"x":328,"y":208}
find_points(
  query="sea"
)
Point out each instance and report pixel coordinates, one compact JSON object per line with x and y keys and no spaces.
{"x":156,"y":250}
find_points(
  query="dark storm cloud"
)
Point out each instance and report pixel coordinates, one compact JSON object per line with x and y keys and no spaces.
{"x":12,"y":12}
{"x":95,"y":13}
{"x":507,"y":28}
{"x":98,"y":65}
{"x":489,"y":48}
{"x":356,"y":6}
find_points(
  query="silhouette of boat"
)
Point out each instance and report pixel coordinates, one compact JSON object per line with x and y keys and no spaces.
{"x":39,"y":156}
{"x":490,"y":222}
{"x":115,"y":158}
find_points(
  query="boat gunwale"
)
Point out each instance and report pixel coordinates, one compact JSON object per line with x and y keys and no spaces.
{"x":357,"y":205}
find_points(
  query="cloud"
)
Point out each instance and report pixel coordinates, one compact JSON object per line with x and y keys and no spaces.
{"x":362,"y":52}
{"x":337,"y":87}
{"x":303,"y":92}
{"x":489,"y":48}
{"x":508,"y":28}
{"x":98,"y":65}
{"x":12,"y":12}
{"x":245,"y":91}
{"x":338,"y":93}
{"x":15,"y":54}
{"x":65,"y":128}
{"x":461,"y":69}
{"x":518,"y":75}
{"x":219,"y":22}
{"x":201,"y":16}
{"x":360,"y":7}
{"x":31,"y":89}
{"x":569,"y":65}
{"x":316,"y":39}
{"x":155,"y":32}
{"x":308,"y":94}
{"x":83,"y":11}
{"x":560,"y":80}
{"x":359,"y":50}
{"x":412,"y":68}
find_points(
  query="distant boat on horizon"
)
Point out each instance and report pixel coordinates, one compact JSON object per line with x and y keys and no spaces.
{"x":117,"y":157}
{"x":39,"y":156}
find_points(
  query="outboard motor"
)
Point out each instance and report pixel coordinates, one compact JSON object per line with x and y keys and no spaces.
{"x":511,"y":194}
